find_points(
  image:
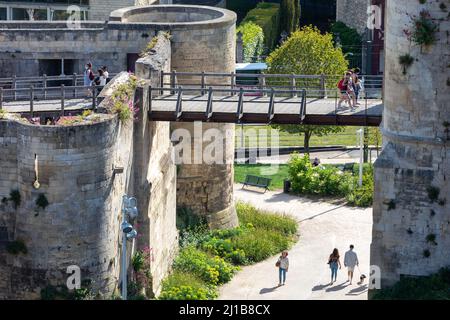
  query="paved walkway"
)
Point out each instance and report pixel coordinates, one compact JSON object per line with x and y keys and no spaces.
{"x":323,"y":226}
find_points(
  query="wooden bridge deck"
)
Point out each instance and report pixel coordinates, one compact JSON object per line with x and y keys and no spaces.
{"x":256,"y":110}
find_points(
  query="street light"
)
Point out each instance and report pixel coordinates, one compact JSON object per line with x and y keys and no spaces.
{"x":129,"y":208}
{"x":361,"y":156}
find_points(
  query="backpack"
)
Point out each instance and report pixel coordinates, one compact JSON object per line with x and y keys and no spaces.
{"x":341,"y":85}
{"x":91,"y":75}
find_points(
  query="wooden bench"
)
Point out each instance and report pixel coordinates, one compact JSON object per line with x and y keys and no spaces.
{"x":256,"y":181}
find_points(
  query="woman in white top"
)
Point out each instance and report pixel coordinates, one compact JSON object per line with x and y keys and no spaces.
{"x":283,"y":266}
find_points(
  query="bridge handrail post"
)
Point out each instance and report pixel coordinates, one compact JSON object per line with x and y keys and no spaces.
{"x":161,"y":84}
{"x":94,"y":97}
{"x":150,"y":98}
{"x":233,"y":83}
{"x":1,"y":98}
{"x":203,"y":83}
{"x":14,"y":85}
{"x":44,"y":82}
{"x":293,"y":85}
{"x":323,"y":87}
{"x":31,"y":100}
{"x":74,"y":83}
{"x":179,"y":107}
{"x":63,"y":95}
{"x":262,"y":83}
{"x":173,"y":80}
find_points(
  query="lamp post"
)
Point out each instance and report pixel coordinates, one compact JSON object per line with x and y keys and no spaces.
{"x":128,"y":209}
{"x":361,"y":155}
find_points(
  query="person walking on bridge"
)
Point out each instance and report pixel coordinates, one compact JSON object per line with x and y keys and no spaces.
{"x":350,"y":261}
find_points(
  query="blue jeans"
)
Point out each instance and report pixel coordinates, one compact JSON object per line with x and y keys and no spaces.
{"x":282,"y":275}
{"x":334,"y":269}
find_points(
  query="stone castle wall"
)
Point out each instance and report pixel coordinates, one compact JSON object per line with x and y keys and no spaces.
{"x":416,"y":155}
{"x":80,"y":225}
{"x":100,"y":9}
{"x":353,"y":13}
{"x":82,"y":222}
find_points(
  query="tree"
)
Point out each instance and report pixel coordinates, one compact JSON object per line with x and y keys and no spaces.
{"x":308,"y":131}
{"x":308,"y":52}
{"x":253,"y":40}
{"x":289,"y":15}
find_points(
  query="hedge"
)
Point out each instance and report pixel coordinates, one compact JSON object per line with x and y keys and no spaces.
{"x":267,"y":16}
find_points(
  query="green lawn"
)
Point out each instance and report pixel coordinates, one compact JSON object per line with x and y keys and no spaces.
{"x":241,"y":170}
{"x":348,"y":137}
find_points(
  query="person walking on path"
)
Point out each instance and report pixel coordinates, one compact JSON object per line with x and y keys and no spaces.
{"x":335,"y":263}
{"x":283,"y":267}
{"x":350,"y":261}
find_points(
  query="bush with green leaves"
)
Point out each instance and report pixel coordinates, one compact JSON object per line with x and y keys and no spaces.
{"x":186,"y":286}
{"x":253,"y":41}
{"x":330,"y":181}
{"x":212,"y":270}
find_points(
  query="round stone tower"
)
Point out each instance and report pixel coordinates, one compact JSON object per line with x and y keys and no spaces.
{"x":203,"y":39}
{"x":411,"y":231}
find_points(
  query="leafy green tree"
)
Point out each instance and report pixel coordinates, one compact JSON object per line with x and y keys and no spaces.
{"x":308,"y":51}
{"x":253,"y":40}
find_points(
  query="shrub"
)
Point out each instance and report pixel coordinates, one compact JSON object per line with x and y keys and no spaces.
{"x":330,"y":181}
{"x":434,"y":287}
{"x":121,"y":102}
{"x":253,"y":40}
{"x":212,"y":270}
{"x":250,"y":215}
{"x":186,"y":286}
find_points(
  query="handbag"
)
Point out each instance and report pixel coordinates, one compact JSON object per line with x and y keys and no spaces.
{"x":278,"y":264}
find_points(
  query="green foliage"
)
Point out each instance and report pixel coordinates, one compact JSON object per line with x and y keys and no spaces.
{"x":433,"y":193}
{"x":212,"y":270}
{"x":330,"y":181}
{"x":434,"y":287}
{"x":406,"y":61}
{"x":308,"y":51}
{"x":142,"y":281}
{"x":186,"y":286}
{"x":283,"y":224}
{"x":61,"y":292}
{"x":267,"y":16}
{"x":349,"y":38}
{"x":187,"y":218}
{"x":2,"y":113}
{"x":16,"y":247}
{"x":210,"y":259}
{"x":289,"y":15}
{"x":424,"y":29}
{"x":41,"y":201}
{"x":253,"y":40}
{"x":121,"y":102}
{"x":149,"y":47}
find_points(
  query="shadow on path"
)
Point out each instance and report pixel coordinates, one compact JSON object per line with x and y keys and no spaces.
{"x":358,"y":291}
{"x":268,"y":290}
{"x":340,"y":287}
{"x":320,"y":287}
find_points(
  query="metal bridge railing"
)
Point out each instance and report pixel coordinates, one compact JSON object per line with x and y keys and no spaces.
{"x":325,"y":84}
{"x":62,"y":93}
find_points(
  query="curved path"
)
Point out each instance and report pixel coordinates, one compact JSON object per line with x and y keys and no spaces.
{"x":322,"y":226}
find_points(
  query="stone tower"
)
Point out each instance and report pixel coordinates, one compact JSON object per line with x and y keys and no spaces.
{"x":411,"y":231}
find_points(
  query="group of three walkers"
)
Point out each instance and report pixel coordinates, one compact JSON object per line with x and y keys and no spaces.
{"x":350,"y":262}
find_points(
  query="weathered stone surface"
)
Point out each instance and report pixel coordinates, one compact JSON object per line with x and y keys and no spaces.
{"x":416,"y":152}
